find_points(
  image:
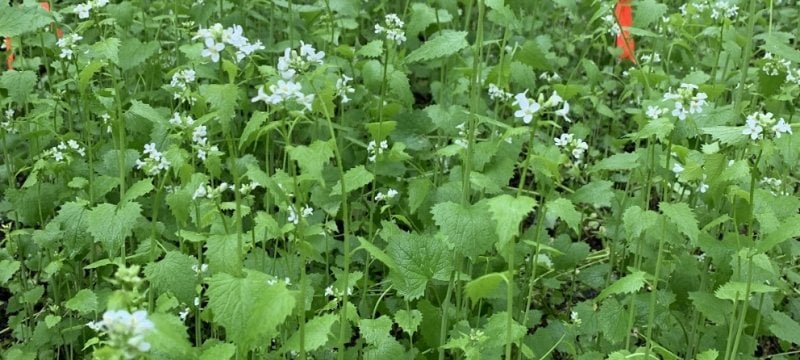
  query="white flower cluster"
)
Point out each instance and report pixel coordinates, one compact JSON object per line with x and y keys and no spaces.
{"x":724,"y":8}
{"x":390,"y":194}
{"x":686,"y":93}
{"x":654,"y":58}
{"x":68,"y":45}
{"x":154,"y":163}
{"x":211,"y":192}
{"x":374,"y":149}
{"x":549,"y":77}
{"x":677,"y":169}
{"x":201,"y":144}
{"x":758,"y":121}
{"x":82,"y":10}
{"x":283,"y":91}
{"x":496,"y":93}
{"x":717,"y":10}
{"x":200,"y":268}
{"x":292,"y":64}
{"x":529,"y":107}
{"x":576,"y":147}
{"x":126,"y":332}
{"x":655,"y":112}
{"x":181,"y":121}
{"x":293,"y":217}
{"x":775,"y":186}
{"x":216,"y":37}
{"x":180,"y":82}
{"x":393,"y":28}
{"x":612,"y":25}
{"x":343,"y":88}
{"x":330,"y":291}
{"x":777,"y":66}
{"x":8,"y":123}
{"x":65,"y":150}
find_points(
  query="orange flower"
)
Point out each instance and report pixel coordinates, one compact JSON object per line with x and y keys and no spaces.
{"x":46,"y":5}
{"x":624,"y":14}
{"x":10,"y":58}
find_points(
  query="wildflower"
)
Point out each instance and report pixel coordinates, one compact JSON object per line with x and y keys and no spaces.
{"x":291,"y":63}
{"x":155,"y":161}
{"x":343,"y":88}
{"x":374,"y":150}
{"x":563,"y":112}
{"x":181,"y":121}
{"x":125,"y":331}
{"x":68,"y":45}
{"x":686,"y":93}
{"x":393,"y":28}
{"x":677,"y":168}
{"x":527,"y":107}
{"x":65,"y":150}
{"x":390,"y":194}
{"x":8,"y":123}
{"x":576,"y":147}
{"x":183,"y":314}
{"x":201,"y":192}
{"x":495,"y":93}
{"x":758,"y":121}
{"x":781,"y":127}
{"x":216,"y":37}
{"x":655,"y":112}
{"x":180,"y":82}
{"x":83,"y":10}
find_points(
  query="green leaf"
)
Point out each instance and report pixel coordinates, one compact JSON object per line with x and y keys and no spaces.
{"x":629,"y":284}
{"x":110,"y":224}
{"x":710,"y":354}
{"x":565,"y":210}
{"x":133,"y":52}
{"x":16,"y":20}
{"x":597,"y":193}
{"x":354,"y":178}
{"x":223,"y":99}
{"x":173,"y":274}
{"x":713,"y":308}
{"x":51,"y":320}
{"x":170,"y":338}
{"x":249,"y":308}
{"x":255,"y":127}
{"x":146,"y":111}
{"x":785,"y":328}
{"x":486,"y":286}
{"x":312,"y":159}
{"x":409,"y":321}
{"x":734,"y":290}
{"x":775,"y":44}
{"x":623,"y":161}
{"x":418,"y":190}
{"x":790,"y":228}
{"x":726,"y":135}
{"x":468,"y":227}
{"x":87,"y":73}
{"x":609,"y":315}
{"x":106,"y":49}
{"x":140,"y":188}
{"x":376,"y":331}
{"x":84,"y":302}
{"x":648,"y":11}
{"x":681,"y":215}
{"x":496,"y":329}
{"x":377,"y":253}
{"x":508,"y":212}
{"x":637,"y":221}
{"x":660,"y":128}
{"x":7,"y":269}
{"x":419,"y":259}
{"x":223,"y":351}
{"x":18,"y":83}
{"x":447,"y":43}
{"x":222,"y":252}
{"x":372,"y":49}
{"x":316,"y":334}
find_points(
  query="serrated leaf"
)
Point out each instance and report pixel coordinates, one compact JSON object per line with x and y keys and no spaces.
{"x":133,"y":52}
{"x":312,"y":159}
{"x":173,"y":274}
{"x":597,"y":193}
{"x":609,"y":315}
{"x":18,"y":83}
{"x":785,"y":328}
{"x":496,"y":328}
{"x":734,"y":290}
{"x":223,"y":99}
{"x":628,"y":284}
{"x":16,"y":20}
{"x":84,"y":302}
{"x":249,"y":308}
{"x":468,"y":227}
{"x":110,"y":224}
{"x":106,"y":49}
{"x":255,"y":127}
{"x":138,"y":189}
{"x":486,"y":286}
{"x":623,"y":161}
{"x":372,"y":49}
{"x":222,"y":253}
{"x":86,"y":74}
{"x":354,"y":178}
{"x":447,"y":43}
{"x":648,"y":11}
{"x":419,"y":259}
{"x":409,"y":321}
{"x":508,"y":212}
{"x":726,"y":135}
{"x":681,"y":215}
{"x":774,"y":44}
{"x":377,"y":253}
{"x":316,"y":334}
{"x":146,"y":111}
{"x":660,"y":128}
{"x":713,"y":308}
{"x":636,"y":220}
{"x":789,"y":229}
{"x":376,"y":331}
{"x":223,"y":351}
{"x":564,"y":210}
{"x":170,"y":338}
{"x":51,"y":320}
{"x":7,"y":269}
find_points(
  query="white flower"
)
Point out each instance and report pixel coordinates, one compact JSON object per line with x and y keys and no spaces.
{"x":654,"y":112}
{"x":83,"y":10}
{"x":155,"y":161}
{"x":563,"y":112}
{"x":679,"y":112}
{"x":125,"y":331}
{"x":564,"y":140}
{"x":677,"y":168}
{"x":391,"y":193}
{"x":212,"y":49}
{"x":781,"y":127}
{"x":393,"y":28}
{"x":343,"y":88}
{"x":307,"y":211}
{"x":292,"y":215}
{"x":553,"y":100}
{"x":527,"y":107}
{"x":495,"y":93}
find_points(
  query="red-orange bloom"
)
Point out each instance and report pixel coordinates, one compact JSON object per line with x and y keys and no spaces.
{"x":624,"y":14}
{"x":10,"y":52}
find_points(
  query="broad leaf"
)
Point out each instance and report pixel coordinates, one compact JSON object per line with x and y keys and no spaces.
{"x":468,"y":227}
{"x":445,"y":43}
{"x":508,"y":212}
